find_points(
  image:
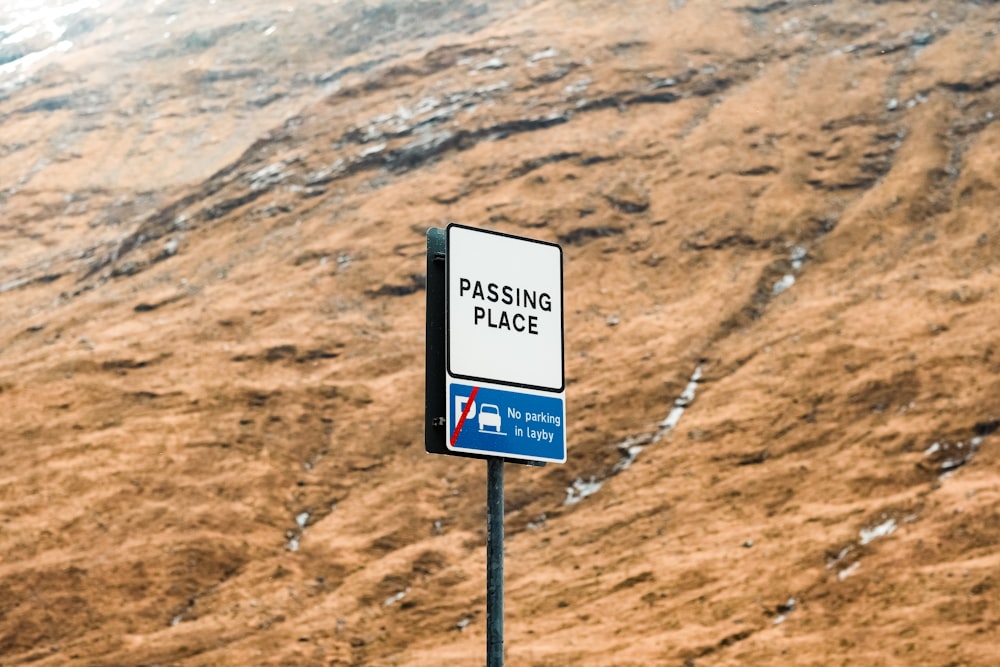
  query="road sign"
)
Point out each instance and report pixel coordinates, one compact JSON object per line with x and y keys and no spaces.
{"x":505,"y":312}
{"x":495,"y":383}
{"x":505,"y":381}
{"x":513,"y":423}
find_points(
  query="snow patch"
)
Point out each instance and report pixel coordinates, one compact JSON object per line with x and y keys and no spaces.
{"x":576,"y":88}
{"x":32,"y":58}
{"x":373,"y":150}
{"x":632,"y":446}
{"x":30,"y":20}
{"x":848,"y":571}
{"x":887,"y":527}
{"x":953,"y":456}
{"x":492,"y":63}
{"x":268,"y":176}
{"x":965,"y":455}
{"x":295,"y":535}
{"x":581,"y":490}
{"x":393,"y":599}
{"x":831,"y":561}
{"x":681,"y":404}
{"x":797,"y":259}
{"x":630,"y":450}
{"x":784,"y":610}
{"x":786,"y":281}
{"x":14,"y":284}
{"x":799,"y":255}
{"x":542,"y":55}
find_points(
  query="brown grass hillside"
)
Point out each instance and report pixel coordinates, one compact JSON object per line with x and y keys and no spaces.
{"x":212,"y":256}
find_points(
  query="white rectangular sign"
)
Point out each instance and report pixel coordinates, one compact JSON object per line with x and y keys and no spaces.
{"x":505,"y":309}
{"x":505,"y":381}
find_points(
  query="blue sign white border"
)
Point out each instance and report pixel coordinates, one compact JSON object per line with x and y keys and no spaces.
{"x":453,"y":417}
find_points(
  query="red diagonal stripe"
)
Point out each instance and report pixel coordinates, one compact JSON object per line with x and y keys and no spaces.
{"x":465,"y":413}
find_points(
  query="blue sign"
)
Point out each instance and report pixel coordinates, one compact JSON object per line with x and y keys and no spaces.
{"x":506,"y":422}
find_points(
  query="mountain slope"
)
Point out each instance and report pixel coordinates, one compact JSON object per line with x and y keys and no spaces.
{"x":211,"y":386}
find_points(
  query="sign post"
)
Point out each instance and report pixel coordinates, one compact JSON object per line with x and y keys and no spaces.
{"x":495,"y":380}
{"x":494,"y":562}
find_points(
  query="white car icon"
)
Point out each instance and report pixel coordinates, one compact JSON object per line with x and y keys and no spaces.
{"x":489,"y":415}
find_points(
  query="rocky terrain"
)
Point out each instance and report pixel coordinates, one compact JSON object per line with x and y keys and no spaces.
{"x":782,"y":255}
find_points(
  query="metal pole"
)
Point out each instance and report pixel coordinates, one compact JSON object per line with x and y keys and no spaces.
{"x":494,"y":562}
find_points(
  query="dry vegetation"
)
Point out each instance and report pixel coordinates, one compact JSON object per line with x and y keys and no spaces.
{"x":211,"y":340}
